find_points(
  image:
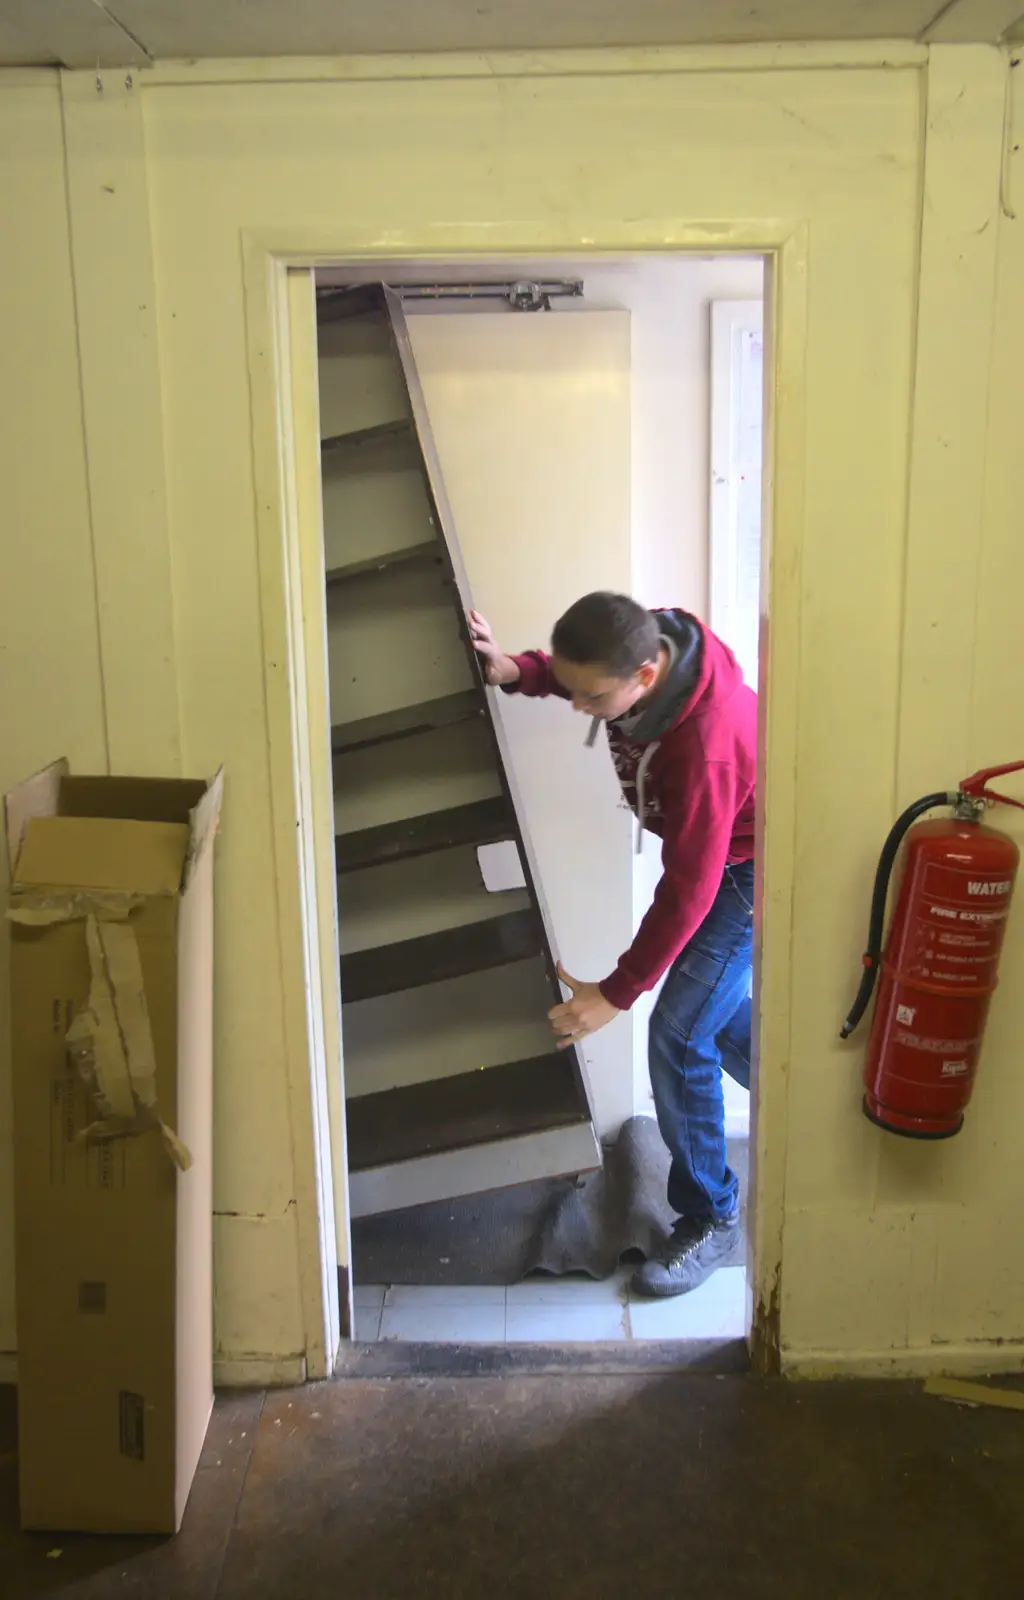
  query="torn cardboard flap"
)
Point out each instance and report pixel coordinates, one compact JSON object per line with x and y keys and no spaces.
{"x":55,"y":793}
{"x":38,"y":796}
{"x":96,"y":849}
{"x":101,"y":1045}
{"x":111,"y":1041}
{"x":104,"y":855}
{"x":47,"y":908}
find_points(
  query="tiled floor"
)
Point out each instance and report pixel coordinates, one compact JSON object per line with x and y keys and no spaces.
{"x":551,"y":1310}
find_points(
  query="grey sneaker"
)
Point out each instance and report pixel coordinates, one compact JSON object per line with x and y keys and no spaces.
{"x":698,"y":1247}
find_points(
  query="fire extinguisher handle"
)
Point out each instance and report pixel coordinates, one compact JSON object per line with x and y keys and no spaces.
{"x":977,"y":784}
{"x":1003,"y":799}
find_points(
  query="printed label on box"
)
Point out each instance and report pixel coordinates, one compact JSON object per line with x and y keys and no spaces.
{"x":132,"y":1425}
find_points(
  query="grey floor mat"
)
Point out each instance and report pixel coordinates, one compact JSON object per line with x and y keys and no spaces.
{"x":551,"y":1226}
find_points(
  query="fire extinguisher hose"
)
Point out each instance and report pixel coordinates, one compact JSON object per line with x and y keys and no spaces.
{"x":876,"y":925}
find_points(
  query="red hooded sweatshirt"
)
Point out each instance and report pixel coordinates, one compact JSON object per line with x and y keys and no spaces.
{"x":686,"y":762}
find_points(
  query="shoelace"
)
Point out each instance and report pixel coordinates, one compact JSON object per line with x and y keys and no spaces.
{"x":693,"y":1245}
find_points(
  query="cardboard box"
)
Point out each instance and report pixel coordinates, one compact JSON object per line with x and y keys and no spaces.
{"x":111,"y":916}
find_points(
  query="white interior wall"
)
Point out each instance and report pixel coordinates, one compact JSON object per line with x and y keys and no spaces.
{"x":669,"y":302}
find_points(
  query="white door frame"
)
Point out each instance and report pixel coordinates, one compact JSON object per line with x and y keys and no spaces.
{"x":280,"y":323}
{"x":730,"y":321}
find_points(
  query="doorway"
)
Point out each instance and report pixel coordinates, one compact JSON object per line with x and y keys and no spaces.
{"x":587,"y":444}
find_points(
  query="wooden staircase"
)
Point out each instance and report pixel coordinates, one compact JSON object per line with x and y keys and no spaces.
{"x":452,"y":1082}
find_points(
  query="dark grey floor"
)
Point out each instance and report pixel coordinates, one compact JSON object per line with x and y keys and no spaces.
{"x":619,"y":1488}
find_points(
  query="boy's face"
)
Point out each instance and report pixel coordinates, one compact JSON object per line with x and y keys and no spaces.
{"x":598,"y":692}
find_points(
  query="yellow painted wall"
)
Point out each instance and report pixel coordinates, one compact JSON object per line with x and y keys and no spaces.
{"x":51,"y":689}
{"x":897,"y":490}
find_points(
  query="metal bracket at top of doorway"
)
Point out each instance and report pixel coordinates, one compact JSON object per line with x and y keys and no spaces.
{"x":522,"y":294}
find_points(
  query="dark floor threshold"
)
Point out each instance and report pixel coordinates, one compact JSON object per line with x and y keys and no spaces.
{"x":391,"y":1358}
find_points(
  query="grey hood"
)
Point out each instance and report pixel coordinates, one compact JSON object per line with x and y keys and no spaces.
{"x":683,"y":637}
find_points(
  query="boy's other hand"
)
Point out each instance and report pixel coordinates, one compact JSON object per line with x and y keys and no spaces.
{"x":587,"y":1011}
{"x":498,"y":668}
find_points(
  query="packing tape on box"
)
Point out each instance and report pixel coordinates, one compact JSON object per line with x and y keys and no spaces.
{"x":110,"y":1040}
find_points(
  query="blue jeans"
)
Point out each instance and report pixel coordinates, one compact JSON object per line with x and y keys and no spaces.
{"x":701,"y":1024}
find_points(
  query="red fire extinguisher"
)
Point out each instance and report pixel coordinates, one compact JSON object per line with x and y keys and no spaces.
{"x":941,"y":960}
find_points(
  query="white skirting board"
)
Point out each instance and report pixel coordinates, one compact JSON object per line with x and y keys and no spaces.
{"x":487,"y":1166}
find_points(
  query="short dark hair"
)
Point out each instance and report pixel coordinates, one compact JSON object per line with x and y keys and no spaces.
{"x":609,"y":630}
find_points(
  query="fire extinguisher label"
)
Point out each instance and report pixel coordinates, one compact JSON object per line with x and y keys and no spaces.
{"x":934,"y":1047}
{"x":954,"y":1069}
{"x":956,"y":891}
{"x":955,"y":937}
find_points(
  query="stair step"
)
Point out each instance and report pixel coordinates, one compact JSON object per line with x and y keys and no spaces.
{"x":339,"y":442}
{"x":433,"y":957}
{"x":430,"y":550}
{"x":479,"y":822}
{"x":471,"y":1108}
{"x":406,"y":721}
